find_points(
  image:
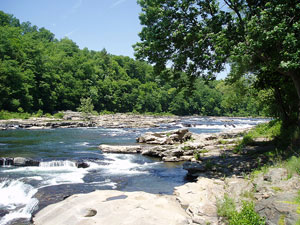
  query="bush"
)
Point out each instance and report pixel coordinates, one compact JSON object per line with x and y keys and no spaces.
{"x":59,"y":115}
{"x":293,"y":165}
{"x":86,"y":105}
{"x":5,"y":115}
{"x":247,"y":215}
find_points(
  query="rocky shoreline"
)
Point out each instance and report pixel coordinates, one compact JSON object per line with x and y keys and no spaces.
{"x":211,"y":162}
{"x":76,"y":119}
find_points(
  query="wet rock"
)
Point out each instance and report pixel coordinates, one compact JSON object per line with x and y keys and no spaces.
{"x":6,"y":161}
{"x":20,"y":161}
{"x":3,"y":212}
{"x":82,"y":165}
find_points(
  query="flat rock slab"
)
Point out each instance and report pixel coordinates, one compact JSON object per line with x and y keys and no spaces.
{"x":120,"y":148}
{"x":113,"y":208}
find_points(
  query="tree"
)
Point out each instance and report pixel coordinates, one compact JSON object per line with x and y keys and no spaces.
{"x":257,"y":37}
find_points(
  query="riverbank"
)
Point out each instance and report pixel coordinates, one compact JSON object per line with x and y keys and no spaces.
{"x":72,"y":119}
{"x":221,"y":176}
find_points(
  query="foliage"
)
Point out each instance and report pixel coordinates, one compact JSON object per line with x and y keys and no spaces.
{"x":226,"y":207}
{"x":293,"y":165}
{"x":58,"y":115}
{"x":247,"y":215}
{"x":271,"y":131}
{"x":86,"y":105}
{"x":39,"y":72}
{"x":259,"y":39}
{"x":5,"y":115}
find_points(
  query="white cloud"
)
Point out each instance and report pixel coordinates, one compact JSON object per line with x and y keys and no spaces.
{"x":117,"y":3}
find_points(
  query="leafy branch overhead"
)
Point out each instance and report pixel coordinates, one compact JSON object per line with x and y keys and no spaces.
{"x":257,"y":38}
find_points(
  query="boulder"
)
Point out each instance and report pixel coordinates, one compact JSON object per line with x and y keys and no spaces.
{"x":120,"y":148}
{"x":279,"y":208}
{"x":165,"y":138}
{"x":199,"y":199}
{"x":114,"y":208}
{"x":20,"y":161}
{"x":82,"y":165}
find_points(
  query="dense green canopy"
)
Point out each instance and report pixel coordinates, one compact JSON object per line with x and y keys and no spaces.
{"x":260,"y":39}
{"x":39,"y":72}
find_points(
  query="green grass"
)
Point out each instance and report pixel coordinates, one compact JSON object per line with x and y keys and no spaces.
{"x":271,"y":131}
{"x":5,"y":115}
{"x":247,"y":215}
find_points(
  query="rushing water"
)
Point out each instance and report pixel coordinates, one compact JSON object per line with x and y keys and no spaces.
{"x":24,"y":190}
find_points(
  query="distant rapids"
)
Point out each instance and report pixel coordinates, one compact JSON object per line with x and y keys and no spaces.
{"x":25,"y":190}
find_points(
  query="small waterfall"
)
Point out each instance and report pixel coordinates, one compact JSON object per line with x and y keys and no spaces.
{"x":6,"y":162}
{"x":58,"y":163}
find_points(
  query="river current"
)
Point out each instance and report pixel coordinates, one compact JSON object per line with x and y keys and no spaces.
{"x":25,"y":190}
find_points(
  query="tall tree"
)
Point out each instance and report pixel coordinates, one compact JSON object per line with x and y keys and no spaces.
{"x":260,"y":37}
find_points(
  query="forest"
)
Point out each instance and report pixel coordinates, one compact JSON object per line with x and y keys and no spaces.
{"x":39,"y":72}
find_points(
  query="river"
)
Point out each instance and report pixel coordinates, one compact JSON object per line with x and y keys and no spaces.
{"x":25,"y":190}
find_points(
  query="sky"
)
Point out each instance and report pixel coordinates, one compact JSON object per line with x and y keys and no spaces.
{"x":94,"y":24}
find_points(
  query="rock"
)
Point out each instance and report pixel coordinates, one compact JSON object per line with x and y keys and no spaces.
{"x":186,"y":158}
{"x":82,"y":165}
{"x":171,"y":159}
{"x":165,"y":138}
{"x":194,"y":167}
{"x":199,"y":199}
{"x":275,"y":175}
{"x":120,"y":149}
{"x":236,"y":187}
{"x":6,"y":161}
{"x":20,"y":161}
{"x":104,"y":207}
{"x":279,"y":207}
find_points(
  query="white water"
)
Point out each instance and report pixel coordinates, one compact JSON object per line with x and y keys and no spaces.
{"x":17,"y":197}
{"x":124,"y":164}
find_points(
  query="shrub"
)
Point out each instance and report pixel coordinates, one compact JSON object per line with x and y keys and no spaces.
{"x":59,"y":115}
{"x":247,"y":215}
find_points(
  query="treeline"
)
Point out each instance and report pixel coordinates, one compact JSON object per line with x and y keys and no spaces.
{"x":39,"y":72}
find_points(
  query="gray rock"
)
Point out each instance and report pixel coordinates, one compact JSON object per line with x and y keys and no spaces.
{"x":279,"y":207}
{"x":120,"y":149}
{"x":165,"y":138}
{"x":93,"y":208}
{"x":20,"y":161}
{"x":276,"y":175}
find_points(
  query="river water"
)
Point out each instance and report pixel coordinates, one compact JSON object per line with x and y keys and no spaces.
{"x":25,"y":190}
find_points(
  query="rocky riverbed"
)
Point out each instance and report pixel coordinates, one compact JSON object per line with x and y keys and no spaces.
{"x":217,"y":172}
{"x":76,"y":119}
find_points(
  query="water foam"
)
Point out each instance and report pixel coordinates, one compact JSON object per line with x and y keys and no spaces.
{"x":17,"y":196}
{"x":124,"y":164}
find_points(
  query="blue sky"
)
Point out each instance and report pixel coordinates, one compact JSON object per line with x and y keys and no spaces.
{"x":95,"y":24}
